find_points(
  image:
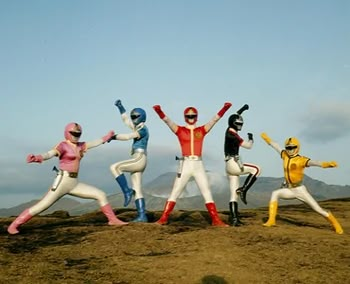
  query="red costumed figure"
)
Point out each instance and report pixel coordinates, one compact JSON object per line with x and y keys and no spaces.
{"x":191,"y":139}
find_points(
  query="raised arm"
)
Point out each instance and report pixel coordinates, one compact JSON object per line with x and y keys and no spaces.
{"x":125,"y":118}
{"x":270,"y":142}
{"x":209,"y":125}
{"x":248,"y":144}
{"x":173,"y":126}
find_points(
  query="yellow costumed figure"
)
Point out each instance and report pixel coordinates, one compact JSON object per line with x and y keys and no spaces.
{"x":293,"y":188}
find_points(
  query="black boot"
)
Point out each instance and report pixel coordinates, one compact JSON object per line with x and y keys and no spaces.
{"x":234,"y":215}
{"x":242,"y":191}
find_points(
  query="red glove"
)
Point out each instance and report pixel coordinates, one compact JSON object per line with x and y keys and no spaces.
{"x":224,"y":109}
{"x":108,"y":137}
{"x":159,"y":111}
{"x":34,"y":159}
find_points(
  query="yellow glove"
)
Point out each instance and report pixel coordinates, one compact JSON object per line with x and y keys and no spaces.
{"x":266,"y":138}
{"x":331,"y":164}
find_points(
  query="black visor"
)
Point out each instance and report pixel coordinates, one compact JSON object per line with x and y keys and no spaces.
{"x":75,"y":134}
{"x":134,"y":116}
{"x":291,"y":147}
{"x":190,"y":116}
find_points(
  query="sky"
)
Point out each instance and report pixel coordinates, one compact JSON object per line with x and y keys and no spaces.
{"x":69,"y":60}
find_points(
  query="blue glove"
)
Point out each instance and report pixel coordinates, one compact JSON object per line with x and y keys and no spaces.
{"x":118,"y":104}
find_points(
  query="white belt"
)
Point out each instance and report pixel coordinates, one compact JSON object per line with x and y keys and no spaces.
{"x":192,"y":158}
{"x":138,"y":150}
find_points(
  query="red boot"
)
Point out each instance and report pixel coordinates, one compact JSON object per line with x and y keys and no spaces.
{"x":21,"y":219}
{"x":169,"y":206}
{"x":216,"y":221}
{"x":112,"y":219}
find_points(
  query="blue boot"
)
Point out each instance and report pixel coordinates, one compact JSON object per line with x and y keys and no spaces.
{"x":141,"y":211}
{"x":128,"y":192}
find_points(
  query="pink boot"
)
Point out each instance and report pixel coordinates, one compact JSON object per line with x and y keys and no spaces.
{"x":21,"y":219}
{"x":112,"y":219}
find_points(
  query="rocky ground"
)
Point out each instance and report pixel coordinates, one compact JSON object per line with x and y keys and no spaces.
{"x":59,"y":248}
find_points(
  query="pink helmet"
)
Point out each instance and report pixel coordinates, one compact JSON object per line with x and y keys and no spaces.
{"x":191,"y":115}
{"x":72,"y":132}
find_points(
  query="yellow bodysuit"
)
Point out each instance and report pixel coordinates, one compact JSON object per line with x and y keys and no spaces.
{"x":293,"y":168}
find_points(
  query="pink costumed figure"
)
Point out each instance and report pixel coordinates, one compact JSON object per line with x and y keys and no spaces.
{"x":69,"y":152}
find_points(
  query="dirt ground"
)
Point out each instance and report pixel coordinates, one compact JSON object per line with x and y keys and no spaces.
{"x":58,"y":248}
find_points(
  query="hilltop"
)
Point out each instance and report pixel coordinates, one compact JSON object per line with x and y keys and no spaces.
{"x":59,"y":248}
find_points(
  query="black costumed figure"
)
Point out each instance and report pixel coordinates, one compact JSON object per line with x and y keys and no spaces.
{"x":69,"y":152}
{"x":191,"y":139}
{"x":235,"y":166}
{"x":293,"y":188}
{"x":136,"y":165}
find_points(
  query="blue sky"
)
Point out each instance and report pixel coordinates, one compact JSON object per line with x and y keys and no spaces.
{"x":64,"y":61}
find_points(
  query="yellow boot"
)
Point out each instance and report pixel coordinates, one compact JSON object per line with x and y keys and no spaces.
{"x":338,"y":229}
{"x":272,"y":214}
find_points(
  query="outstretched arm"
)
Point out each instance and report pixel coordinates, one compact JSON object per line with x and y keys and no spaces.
{"x":209,"y":125}
{"x":108,"y":137}
{"x":173,"y":126}
{"x":270,"y":142}
{"x":331,"y":164}
{"x":31,"y":158}
{"x":125,"y":137}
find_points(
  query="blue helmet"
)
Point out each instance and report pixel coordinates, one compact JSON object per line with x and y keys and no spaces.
{"x":138,"y":115}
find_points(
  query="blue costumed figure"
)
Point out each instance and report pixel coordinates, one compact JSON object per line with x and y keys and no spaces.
{"x":136,"y":165}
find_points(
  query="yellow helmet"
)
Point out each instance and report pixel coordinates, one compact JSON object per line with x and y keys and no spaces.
{"x":292,"y":146}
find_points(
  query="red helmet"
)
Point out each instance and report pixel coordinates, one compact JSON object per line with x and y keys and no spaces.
{"x":191,"y":115}
{"x":72,"y":132}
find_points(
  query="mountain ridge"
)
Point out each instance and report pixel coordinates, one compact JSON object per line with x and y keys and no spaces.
{"x":157,"y":191}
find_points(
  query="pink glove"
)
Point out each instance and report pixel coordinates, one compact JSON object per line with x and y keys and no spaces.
{"x":224,"y":109}
{"x":108,"y":137}
{"x":34,"y":159}
{"x":159,"y":111}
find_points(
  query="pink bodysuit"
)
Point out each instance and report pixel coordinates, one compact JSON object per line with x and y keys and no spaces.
{"x":70,"y":155}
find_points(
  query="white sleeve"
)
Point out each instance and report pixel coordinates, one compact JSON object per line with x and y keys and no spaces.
{"x":275,"y":146}
{"x":209,"y":125}
{"x":124,"y":137}
{"x":48,"y":155}
{"x":94,"y":143}
{"x":173,"y":126}
{"x":127,"y":121}
{"x":247,"y":144}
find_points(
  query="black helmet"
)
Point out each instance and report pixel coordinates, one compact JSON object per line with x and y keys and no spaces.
{"x":235,"y":121}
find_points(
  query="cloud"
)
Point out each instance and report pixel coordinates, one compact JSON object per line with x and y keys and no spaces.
{"x":326,"y":121}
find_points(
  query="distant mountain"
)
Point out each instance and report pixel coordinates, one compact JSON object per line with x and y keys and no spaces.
{"x":158,"y":190}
